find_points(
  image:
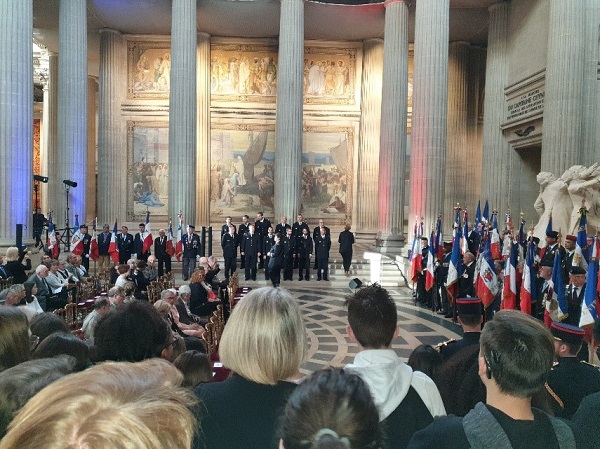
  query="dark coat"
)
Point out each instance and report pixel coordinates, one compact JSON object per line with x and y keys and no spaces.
{"x":191,"y":245}
{"x":229,"y":243}
{"x":346,"y":240}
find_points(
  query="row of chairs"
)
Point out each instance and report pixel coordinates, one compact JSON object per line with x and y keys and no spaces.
{"x":5,"y":283}
{"x":156,"y":287}
{"x":214,"y":330}
{"x":74,"y":313}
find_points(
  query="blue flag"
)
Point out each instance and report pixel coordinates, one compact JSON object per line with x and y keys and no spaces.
{"x":581,"y":255}
{"x":486,"y":212}
{"x":589,"y":312}
{"x":559,"y":287}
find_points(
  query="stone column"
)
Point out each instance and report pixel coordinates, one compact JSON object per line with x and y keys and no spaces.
{"x":475,"y":86}
{"x":456,"y":183}
{"x":591,"y":93}
{"x":16,"y":119}
{"x":430,"y":109}
{"x":91,"y":186}
{"x":112,"y":157}
{"x":182,"y":110}
{"x":494,"y":183}
{"x":367,"y":173}
{"x":72,"y":109}
{"x":563,"y":102}
{"x":394,"y":104}
{"x":288,"y":134}
{"x":203,"y":123}
{"x":49,"y":146}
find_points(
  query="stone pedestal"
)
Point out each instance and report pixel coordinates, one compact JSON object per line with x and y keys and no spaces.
{"x":182,"y":110}
{"x":430,"y":109}
{"x":72,"y":107}
{"x":16,"y":119}
{"x":203,"y":130}
{"x":288,"y":134}
{"x":392,"y":152}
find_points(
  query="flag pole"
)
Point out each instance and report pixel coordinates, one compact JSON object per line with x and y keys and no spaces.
{"x":95,"y":223}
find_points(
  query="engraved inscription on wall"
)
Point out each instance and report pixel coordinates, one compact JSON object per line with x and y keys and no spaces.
{"x":525,"y":105}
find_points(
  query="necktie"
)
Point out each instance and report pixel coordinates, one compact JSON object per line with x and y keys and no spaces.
{"x":2,"y":272}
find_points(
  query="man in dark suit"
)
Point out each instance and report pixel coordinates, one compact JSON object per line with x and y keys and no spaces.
{"x":138,"y":244}
{"x":86,"y":241}
{"x":543,"y":289}
{"x":441,"y":276}
{"x":229,"y":243}
{"x":470,"y":317}
{"x":47,"y":301}
{"x":570,"y":379}
{"x":474,"y":238}
{"x":191,"y":249}
{"x":575,"y":294}
{"x":261,"y":227}
{"x":322,"y":246}
{"x":282,"y":227}
{"x":250,"y":248}
{"x":289,"y":252}
{"x":297,"y":229}
{"x":423,"y":296}
{"x":125,"y":245}
{"x":315,"y":234}
{"x":241,"y":232}
{"x":304,"y":248}
{"x":160,"y":251}
{"x":103,"y":245}
{"x":570,"y":243}
{"x":465,"y":283}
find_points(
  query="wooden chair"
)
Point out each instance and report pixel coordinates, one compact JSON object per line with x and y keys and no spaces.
{"x":5,"y":283}
{"x":208,"y":339}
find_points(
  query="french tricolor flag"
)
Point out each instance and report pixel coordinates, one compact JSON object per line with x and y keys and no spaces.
{"x":509,"y":290}
{"x":147,"y":244}
{"x":429,"y":279}
{"x":417,"y":257}
{"x":179,"y":245}
{"x":590,"y":304}
{"x":170,"y":246}
{"x":53,"y":245}
{"x":528,"y":291}
{"x":486,"y":285}
{"x":113,"y":248}
{"x":495,"y":241}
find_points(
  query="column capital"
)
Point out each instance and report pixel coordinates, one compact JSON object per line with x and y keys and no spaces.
{"x":204,"y":35}
{"x":110,"y":30}
{"x":389,"y":2}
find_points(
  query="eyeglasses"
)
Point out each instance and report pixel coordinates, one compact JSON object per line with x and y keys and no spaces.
{"x":176,"y":338}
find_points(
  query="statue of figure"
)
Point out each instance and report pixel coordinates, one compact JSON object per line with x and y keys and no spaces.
{"x":554,"y":201}
{"x":585,"y":184}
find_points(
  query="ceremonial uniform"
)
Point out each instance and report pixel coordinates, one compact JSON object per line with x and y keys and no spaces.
{"x":471,"y":310}
{"x":241,"y":232}
{"x":441,"y":276}
{"x":125,"y":245}
{"x":289,"y":251}
{"x":574,"y":298}
{"x":570,"y":380}
{"x":261,"y":227}
{"x":250,"y":248}
{"x":267,"y":243}
{"x":274,"y":263}
{"x":548,"y":253}
{"x":451,"y":347}
{"x":86,"y":241}
{"x":465,"y":283}
{"x":225,"y":229}
{"x":191,"y":249}
{"x":316,"y":233}
{"x":322,"y":246}
{"x":297,"y":228}
{"x":304,"y":248}
{"x":138,"y":247}
{"x":282,"y":229}
{"x":229,"y":243}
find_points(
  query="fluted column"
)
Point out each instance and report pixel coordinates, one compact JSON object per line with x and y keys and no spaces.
{"x":494,"y":183}
{"x":91,"y":185}
{"x":72,"y":104}
{"x":430,"y":109}
{"x":591,"y":92}
{"x":563,"y":102}
{"x":456,"y":156}
{"x":16,"y":118}
{"x":49,"y":147}
{"x":288,"y":134}
{"x":367,"y":173}
{"x":182,"y":110}
{"x":394,"y":104}
{"x":112,"y":169}
{"x":475,"y":85}
{"x":203,"y":120}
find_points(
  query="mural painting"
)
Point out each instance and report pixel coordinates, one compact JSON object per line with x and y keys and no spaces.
{"x":248,"y":73}
{"x":149,"y":70}
{"x":148,"y":173}
{"x":243,"y":178}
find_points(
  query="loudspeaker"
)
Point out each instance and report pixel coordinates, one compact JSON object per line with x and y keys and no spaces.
{"x":355,"y":283}
{"x":20,"y":237}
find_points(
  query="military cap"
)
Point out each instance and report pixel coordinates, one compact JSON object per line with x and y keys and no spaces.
{"x":468,"y":306}
{"x":567,"y":333}
{"x":577,"y":270}
{"x":552,"y":234}
{"x":570,"y":237}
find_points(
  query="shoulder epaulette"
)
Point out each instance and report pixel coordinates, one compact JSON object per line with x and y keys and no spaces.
{"x":555,"y":363}
{"x":444,"y":343}
{"x":590,"y":364}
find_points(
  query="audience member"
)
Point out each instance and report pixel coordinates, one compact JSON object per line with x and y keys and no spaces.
{"x":331,"y":409}
{"x":132,"y":333}
{"x":426,"y":359}
{"x":183,"y":306}
{"x":30,"y":305}
{"x":200,"y":304}
{"x":21,"y":382}
{"x":47,"y":323}
{"x":14,"y":264}
{"x":407,"y":400}
{"x":132,"y":405}
{"x":195,"y":367}
{"x":116,"y":296}
{"x":60,"y":343}
{"x":516,"y":354}
{"x":101,"y":308}
{"x":14,"y":338}
{"x":264,"y":343}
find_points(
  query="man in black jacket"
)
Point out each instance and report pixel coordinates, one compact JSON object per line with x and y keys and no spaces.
{"x":125,"y":245}
{"x":250,"y":249}
{"x":229,"y":243}
{"x":304,"y":248}
{"x":160,"y":251}
{"x":322,"y":246}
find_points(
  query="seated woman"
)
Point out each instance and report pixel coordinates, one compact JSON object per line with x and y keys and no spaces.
{"x":14,"y":264}
{"x":200,"y":304}
{"x":335,"y":409}
{"x":264,"y":343}
{"x":124,"y":275}
{"x":134,"y":405}
{"x":14,"y":338}
{"x":30,"y":305}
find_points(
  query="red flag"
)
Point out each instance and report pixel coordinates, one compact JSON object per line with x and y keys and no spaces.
{"x":486,"y":285}
{"x":170,"y":247}
{"x":147,"y":244}
{"x":76,"y":244}
{"x":113,"y":248}
{"x":528,"y":283}
{"x":509,"y":290}
{"x":94,"y":254}
{"x":429,"y":279}
{"x":417,"y":258}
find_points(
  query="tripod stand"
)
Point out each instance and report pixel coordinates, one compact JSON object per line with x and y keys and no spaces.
{"x":66,"y":235}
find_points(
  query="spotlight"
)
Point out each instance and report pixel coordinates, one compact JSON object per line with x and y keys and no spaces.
{"x":40,"y":178}
{"x":69,"y":183}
